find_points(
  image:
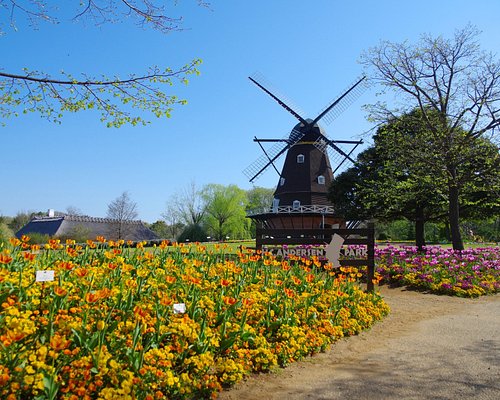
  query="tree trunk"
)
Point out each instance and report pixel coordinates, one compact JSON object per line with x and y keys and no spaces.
{"x":419,"y":228}
{"x":454,"y":217}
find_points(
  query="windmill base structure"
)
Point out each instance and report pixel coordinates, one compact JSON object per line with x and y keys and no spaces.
{"x":304,"y":217}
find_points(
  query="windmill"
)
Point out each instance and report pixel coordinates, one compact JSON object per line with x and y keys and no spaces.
{"x":300,"y":198}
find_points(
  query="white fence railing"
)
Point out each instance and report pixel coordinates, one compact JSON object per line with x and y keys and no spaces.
{"x":293,"y":210}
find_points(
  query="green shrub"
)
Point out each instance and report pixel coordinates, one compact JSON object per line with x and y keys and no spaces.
{"x":78,"y":233}
{"x":5,"y":232}
{"x":39,"y":238}
{"x":193,"y":233}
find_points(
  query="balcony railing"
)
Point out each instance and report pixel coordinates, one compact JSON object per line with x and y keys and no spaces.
{"x":317,"y":209}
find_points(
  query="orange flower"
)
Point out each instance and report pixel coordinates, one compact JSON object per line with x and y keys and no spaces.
{"x":140,"y":312}
{"x":4,"y":375}
{"x":225,"y":282}
{"x":12,"y":336}
{"x":14,"y":241}
{"x":58,"y":342}
{"x":5,"y":258}
{"x":229,"y":300}
{"x":104,"y":293}
{"x":71,"y":252}
{"x":248,"y":302}
{"x":166,"y":301}
{"x":54,"y":244}
{"x":9,"y":302}
{"x":170,"y":279}
{"x":81,"y":272}
{"x":196,"y":281}
{"x":310,"y":278}
{"x":296,"y":280}
{"x":101,"y":239}
{"x":59,"y":291}
{"x":67,"y":265}
{"x":290,"y":293}
{"x":92,"y":297}
{"x":25,"y":238}
{"x":131,"y":283}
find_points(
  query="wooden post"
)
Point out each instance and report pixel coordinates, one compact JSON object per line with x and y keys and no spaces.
{"x":370,"y":274}
{"x":258,"y":238}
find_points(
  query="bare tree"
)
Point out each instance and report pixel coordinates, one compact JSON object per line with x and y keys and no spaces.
{"x":187,"y":206}
{"x":451,"y":79}
{"x":172,"y":218}
{"x":72,"y":210}
{"x":185,"y":210}
{"x":114,"y":97}
{"x":122,"y":211}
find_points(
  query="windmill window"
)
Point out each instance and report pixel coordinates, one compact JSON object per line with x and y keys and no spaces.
{"x":276,"y":203}
{"x":282,"y":181}
{"x":321,"y":179}
{"x":300,"y":159}
{"x":296,"y":204}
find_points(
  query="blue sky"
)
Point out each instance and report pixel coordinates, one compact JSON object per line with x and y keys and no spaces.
{"x":309,"y":50}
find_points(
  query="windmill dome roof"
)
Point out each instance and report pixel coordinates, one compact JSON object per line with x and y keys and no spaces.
{"x":298,"y":130}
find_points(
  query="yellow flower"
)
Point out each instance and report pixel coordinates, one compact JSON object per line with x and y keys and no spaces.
{"x":101,"y":325}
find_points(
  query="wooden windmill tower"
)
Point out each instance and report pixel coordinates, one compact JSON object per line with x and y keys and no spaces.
{"x":300,"y":198}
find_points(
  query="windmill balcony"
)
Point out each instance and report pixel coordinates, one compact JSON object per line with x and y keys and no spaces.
{"x":303,"y":209}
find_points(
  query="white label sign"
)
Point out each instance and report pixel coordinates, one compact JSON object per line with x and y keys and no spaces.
{"x":179,"y":308}
{"x":333,"y":250}
{"x":44,"y":276}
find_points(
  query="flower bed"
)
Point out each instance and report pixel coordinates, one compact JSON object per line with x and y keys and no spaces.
{"x":467,"y":273}
{"x":106,"y":328}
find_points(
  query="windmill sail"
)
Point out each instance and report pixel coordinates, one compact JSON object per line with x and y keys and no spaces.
{"x":337,"y":107}
{"x":272,"y":154}
{"x":306,"y":128}
{"x":261,"y":82}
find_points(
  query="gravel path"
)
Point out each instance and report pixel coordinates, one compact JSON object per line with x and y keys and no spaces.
{"x":429,"y":347}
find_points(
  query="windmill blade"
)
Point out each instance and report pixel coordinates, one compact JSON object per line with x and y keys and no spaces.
{"x":267,"y":155}
{"x":259,"y":80}
{"x":264,"y":161}
{"x":267,"y":159}
{"x":337,"y":154}
{"x":342,"y":102}
{"x":321,"y":143}
{"x":336,"y":159}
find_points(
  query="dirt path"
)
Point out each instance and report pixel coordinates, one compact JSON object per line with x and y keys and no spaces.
{"x":429,"y":347}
